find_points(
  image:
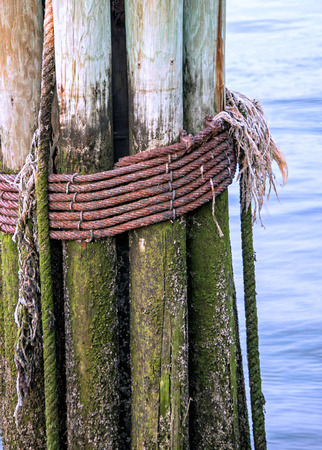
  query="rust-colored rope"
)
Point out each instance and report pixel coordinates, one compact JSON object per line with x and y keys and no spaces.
{"x":149,"y":187}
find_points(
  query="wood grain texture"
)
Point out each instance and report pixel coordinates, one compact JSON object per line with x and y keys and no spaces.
{"x":154,"y":51}
{"x":21,"y":28}
{"x":83,"y":73}
{"x":202,"y":61}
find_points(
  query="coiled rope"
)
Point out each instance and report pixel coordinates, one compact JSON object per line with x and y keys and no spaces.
{"x":162,"y":184}
{"x":150,"y":187}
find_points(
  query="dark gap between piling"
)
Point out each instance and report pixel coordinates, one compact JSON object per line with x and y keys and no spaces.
{"x":56,"y":252}
{"x":121,"y":148}
{"x":119,"y":82}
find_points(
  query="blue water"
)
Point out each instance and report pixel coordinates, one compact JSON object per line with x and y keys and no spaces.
{"x":274,"y":54}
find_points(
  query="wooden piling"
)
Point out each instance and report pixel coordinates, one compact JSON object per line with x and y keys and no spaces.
{"x":158,"y":252}
{"x":218,"y":416}
{"x":21,"y":30}
{"x":84,"y":145}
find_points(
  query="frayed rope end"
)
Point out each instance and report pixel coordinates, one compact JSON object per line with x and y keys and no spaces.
{"x":256,"y":150}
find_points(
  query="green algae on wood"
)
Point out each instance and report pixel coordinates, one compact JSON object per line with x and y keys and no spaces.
{"x":217,"y":418}
{"x":91,"y":344}
{"x":83,"y":67}
{"x":213,"y":383}
{"x":32,"y":429}
{"x":158,"y":252}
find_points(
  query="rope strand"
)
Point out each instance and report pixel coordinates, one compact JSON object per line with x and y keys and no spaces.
{"x":252,"y":341}
{"x":47,"y":304}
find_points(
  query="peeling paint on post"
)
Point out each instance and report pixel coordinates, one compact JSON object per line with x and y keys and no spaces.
{"x":218,"y":416}
{"x":83,"y":71}
{"x":158,"y":252}
{"x":21,"y":32}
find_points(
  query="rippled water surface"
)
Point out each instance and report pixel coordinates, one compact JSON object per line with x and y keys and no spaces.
{"x":274,"y":53}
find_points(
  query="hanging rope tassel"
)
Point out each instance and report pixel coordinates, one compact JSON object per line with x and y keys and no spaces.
{"x":47,"y":304}
{"x":255,"y":382}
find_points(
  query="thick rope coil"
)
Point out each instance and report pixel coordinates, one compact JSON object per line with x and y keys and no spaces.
{"x":162,"y":183}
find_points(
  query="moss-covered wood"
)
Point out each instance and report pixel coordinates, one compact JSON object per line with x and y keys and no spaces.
{"x":158,"y":252}
{"x":84,"y":145}
{"x":91,"y":344}
{"x":32,"y":431}
{"x":214,"y":375}
{"x":218,"y":413}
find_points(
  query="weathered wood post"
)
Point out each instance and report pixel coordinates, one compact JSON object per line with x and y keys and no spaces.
{"x":218,"y":417}
{"x":158,"y":252}
{"x":84,"y":145}
{"x":21,"y":29}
